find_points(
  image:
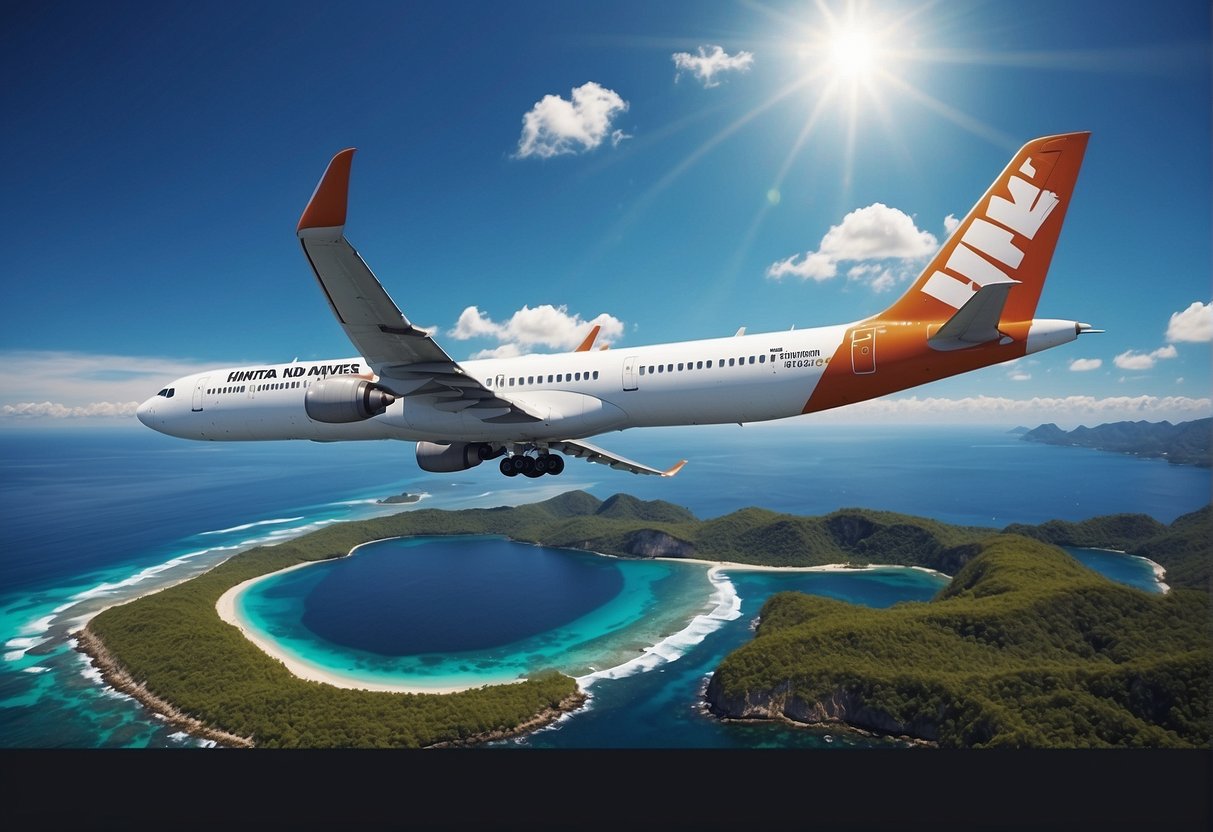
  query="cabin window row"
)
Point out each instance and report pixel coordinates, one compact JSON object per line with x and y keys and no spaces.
{"x":682,"y":366}
{"x":255,"y":388}
{"x":552,"y":378}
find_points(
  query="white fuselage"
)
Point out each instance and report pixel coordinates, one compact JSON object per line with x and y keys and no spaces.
{"x":745,"y":378}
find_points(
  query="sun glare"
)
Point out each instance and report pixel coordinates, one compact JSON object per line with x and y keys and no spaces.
{"x":854,"y":54}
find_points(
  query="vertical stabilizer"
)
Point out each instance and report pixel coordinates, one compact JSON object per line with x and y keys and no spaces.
{"x":1007,"y":238}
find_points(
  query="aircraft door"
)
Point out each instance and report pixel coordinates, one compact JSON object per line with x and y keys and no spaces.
{"x":629,"y":373}
{"x":863,"y":351}
{"x":199,"y":389}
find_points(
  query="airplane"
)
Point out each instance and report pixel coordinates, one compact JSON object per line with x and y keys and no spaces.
{"x":971,"y":307}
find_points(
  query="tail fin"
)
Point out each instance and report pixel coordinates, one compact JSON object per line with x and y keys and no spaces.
{"x":1007,"y":238}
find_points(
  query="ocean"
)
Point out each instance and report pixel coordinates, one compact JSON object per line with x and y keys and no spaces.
{"x":92,"y":519}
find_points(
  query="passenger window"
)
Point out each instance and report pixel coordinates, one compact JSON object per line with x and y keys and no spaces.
{"x":680,"y":366}
{"x":751,"y":359}
{"x":731,"y":362}
{"x":596,"y":375}
{"x":579,"y":377}
{"x":650,"y":369}
{"x":669,"y":368}
{"x":641,"y":370}
{"x":660,"y":368}
{"x":511,"y":381}
{"x":762,"y":359}
{"x":698,"y":365}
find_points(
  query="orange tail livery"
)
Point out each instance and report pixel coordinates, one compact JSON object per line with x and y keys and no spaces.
{"x":974,"y":303}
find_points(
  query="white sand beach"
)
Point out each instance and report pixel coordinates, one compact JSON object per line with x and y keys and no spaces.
{"x":227,"y":608}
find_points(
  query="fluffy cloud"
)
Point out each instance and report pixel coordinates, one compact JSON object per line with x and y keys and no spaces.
{"x":711,"y":61}
{"x":1083,"y":365}
{"x":555,"y":126}
{"x":1193,"y":324}
{"x":1129,"y":360}
{"x":874,"y":233}
{"x":543,"y":326}
{"x":950,"y":223}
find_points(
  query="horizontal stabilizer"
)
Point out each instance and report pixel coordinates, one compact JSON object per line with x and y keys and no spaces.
{"x":976,"y":322}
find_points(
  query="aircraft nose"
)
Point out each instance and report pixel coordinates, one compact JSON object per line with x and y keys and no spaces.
{"x":147,"y":412}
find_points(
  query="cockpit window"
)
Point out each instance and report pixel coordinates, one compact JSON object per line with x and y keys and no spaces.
{"x":167,"y":392}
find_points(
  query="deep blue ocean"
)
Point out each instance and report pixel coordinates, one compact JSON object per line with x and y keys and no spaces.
{"x":95,"y":518}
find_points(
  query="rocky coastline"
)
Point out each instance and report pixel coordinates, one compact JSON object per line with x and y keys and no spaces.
{"x":117,"y":677}
{"x":840,"y":708}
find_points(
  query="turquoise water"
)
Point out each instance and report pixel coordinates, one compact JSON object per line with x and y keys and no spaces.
{"x":100,"y":518}
{"x":638,"y":604}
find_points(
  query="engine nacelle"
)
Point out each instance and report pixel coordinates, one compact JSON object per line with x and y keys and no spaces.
{"x":345,"y":399}
{"x":441,"y":458}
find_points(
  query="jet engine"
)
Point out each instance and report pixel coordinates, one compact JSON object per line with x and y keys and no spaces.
{"x":443,"y":458}
{"x":345,"y":399}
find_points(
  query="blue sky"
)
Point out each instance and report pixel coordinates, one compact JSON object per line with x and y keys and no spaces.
{"x":159,"y":157}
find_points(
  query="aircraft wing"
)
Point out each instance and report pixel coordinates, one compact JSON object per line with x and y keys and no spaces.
{"x":586,"y":451}
{"x":407,"y":360}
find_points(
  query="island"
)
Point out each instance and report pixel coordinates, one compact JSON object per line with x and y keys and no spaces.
{"x":1187,"y":443}
{"x":399,"y":498}
{"x":1140,"y":672}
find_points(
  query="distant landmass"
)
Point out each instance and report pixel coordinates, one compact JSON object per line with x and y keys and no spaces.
{"x":1026,"y":647}
{"x":400,"y":498}
{"x":1187,"y":443}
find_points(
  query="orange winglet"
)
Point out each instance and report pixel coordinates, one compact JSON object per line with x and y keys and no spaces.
{"x":589,"y":340}
{"x":326,"y":208}
{"x":674,"y":469}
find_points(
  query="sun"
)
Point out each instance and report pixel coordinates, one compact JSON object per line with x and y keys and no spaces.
{"x":853,"y":55}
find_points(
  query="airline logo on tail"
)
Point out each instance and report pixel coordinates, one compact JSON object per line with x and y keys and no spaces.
{"x":966,"y":270}
{"x":1007,"y":238}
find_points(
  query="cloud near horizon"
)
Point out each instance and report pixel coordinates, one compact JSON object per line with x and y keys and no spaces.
{"x":711,"y":62}
{"x":71,"y":385}
{"x":871,"y":237}
{"x":556,"y":126}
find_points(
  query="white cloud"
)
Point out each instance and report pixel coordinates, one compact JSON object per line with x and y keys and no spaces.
{"x":1083,"y":365}
{"x":950,"y":223}
{"x":1130,"y":360}
{"x":1019,"y":375}
{"x":52,"y":410}
{"x":544,"y":325}
{"x":555,"y":126}
{"x":61,"y":385}
{"x":1193,"y":324}
{"x":874,"y":233}
{"x":711,"y":61}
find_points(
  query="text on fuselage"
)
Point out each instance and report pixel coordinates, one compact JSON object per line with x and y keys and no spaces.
{"x":294,"y":372}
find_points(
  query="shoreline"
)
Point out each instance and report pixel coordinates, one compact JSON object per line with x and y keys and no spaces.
{"x":115,"y":674}
{"x":228,"y":612}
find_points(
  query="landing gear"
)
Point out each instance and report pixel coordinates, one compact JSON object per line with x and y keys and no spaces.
{"x":531,"y":466}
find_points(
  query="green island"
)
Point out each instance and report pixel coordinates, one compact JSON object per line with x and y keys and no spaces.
{"x":1025,"y":647}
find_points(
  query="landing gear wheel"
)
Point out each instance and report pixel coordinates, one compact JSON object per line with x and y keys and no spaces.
{"x":553,"y":464}
{"x":507,"y":467}
{"x":528,"y":466}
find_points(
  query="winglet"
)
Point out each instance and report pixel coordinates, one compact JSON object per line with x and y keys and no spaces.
{"x":589,"y":340}
{"x":326,"y":208}
{"x":674,"y":469}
